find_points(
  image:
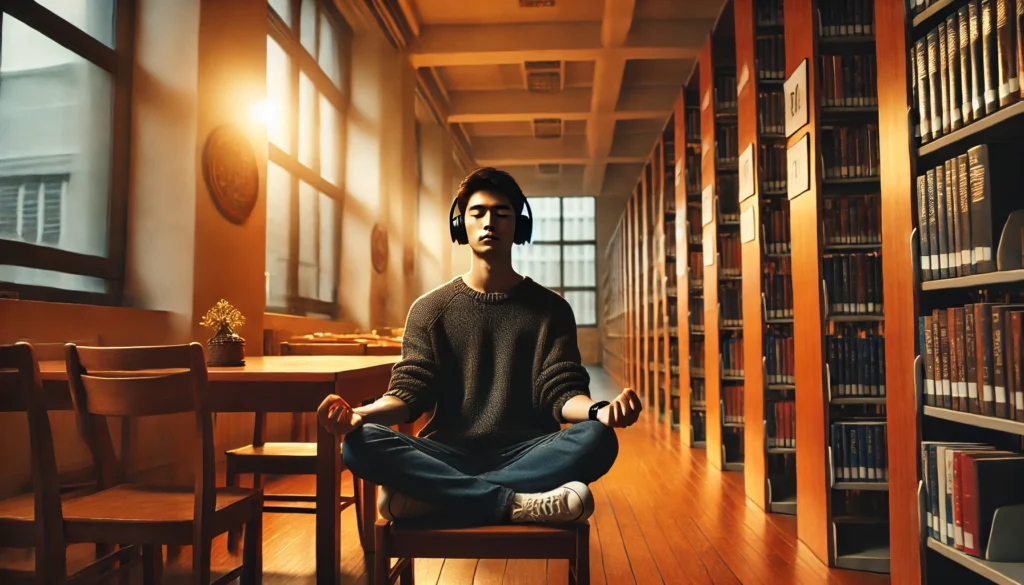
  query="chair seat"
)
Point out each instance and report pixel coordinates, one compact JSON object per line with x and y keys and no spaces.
{"x":18,"y":514}
{"x":522,"y":541}
{"x":276,"y":450}
{"x":274,"y":459}
{"x":150,"y":514}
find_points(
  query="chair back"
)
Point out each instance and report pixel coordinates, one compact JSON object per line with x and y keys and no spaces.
{"x":139,"y":382}
{"x":323,"y":348}
{"x":21,"y":390}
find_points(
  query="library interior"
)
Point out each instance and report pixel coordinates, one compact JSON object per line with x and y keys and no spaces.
{"x":788,"y":226}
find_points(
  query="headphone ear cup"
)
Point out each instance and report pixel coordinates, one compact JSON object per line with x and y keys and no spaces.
{"x":460,"y":230}
{"x":524,"y":229}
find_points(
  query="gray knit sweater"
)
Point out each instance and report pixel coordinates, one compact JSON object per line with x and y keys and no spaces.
{"x":497,"y":366}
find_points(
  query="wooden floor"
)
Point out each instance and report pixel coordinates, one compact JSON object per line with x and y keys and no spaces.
{"x":664,"y":515}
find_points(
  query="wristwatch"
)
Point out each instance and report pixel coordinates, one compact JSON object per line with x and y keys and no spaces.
{"x":596,"y":407}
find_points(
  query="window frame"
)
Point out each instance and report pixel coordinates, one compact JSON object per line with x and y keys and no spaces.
{"x":288,"y":38}
{"x":561,"y":242}
{"x":118,"y":61}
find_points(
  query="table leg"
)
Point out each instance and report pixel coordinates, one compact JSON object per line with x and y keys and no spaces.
{"x":328,"y":508}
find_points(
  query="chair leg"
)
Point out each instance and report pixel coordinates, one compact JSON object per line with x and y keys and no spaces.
{"x":152,"y":564}
{"x":231,"y":481}
{"x":381,"y":560}
{"x":357,"y":492}
{"x":368,"y":495}
{"x":582,"y":560}
{"x":252,"y":554}
{"x":202,"y":553}
{"x":408,"y":576}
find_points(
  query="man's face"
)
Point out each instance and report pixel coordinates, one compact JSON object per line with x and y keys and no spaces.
{"x":490,"y":223}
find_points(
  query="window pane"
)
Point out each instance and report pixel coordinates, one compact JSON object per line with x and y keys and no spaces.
{"x":583,"y":305}
{"x":52,"y":279}
{"x":329,"y":58}
{"x":279,"y":186}
{"x":95,"y":17}
{"x":546,"y":219}
{"x":540,"y":262}
{"x":328,"y":263}
{"x":278,"y":98}
{"x":330,"y":142}
{"x":55,"y":143}
{"x":308,"y":283}
{"x":578,"y":218}
{"x":307,"y":115}
{"x":307,"y":29}
{"x":283,"y":8}
{"x":579,"y":265}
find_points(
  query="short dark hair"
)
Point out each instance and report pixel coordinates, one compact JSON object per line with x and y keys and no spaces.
{"x":491,"y":180}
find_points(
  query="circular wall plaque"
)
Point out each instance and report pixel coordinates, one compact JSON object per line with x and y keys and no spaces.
{"x":379,"y":248}
{"x":232,"y":176}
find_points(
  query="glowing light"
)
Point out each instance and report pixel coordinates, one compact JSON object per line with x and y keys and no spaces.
{"x":266,"y":112}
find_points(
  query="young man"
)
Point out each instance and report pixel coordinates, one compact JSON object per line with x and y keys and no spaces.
{"x":494,"y":355}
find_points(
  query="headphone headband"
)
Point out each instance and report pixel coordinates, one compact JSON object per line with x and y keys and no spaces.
{"x":523,"y":231}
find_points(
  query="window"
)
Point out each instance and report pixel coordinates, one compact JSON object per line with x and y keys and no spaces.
{"x":308,"y":93}
{"x":64,"y":115}
{"x":563,"y":253}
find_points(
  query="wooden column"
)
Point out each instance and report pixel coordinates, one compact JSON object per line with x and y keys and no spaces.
{"x":681,"y":323}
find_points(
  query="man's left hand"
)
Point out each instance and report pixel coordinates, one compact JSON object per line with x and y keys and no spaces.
{"x":621,"y":412}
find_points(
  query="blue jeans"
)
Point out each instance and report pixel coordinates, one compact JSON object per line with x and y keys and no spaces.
{"x":476,"y":489}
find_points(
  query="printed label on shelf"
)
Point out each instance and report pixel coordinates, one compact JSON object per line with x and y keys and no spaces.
{"x":747,"y":173}
{"x":795,"y":96}
{"x":798,"y":179}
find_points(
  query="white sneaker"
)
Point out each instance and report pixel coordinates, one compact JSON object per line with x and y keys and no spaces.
{"x":397,"y":506}
{"x":569,"y":503}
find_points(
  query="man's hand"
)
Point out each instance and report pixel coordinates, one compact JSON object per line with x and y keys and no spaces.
{"x":621,"y":412}
{"x":337,"y":416}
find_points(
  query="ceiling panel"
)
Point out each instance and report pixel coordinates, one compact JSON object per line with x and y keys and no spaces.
{"x":647,"y":126}
{"x":499,"y":129}
{"x":481,"y":77}
{"x":672,"y":9}
{"x":656,"y":72}
{"x":579,"y":73}
{"x":505,"y":11}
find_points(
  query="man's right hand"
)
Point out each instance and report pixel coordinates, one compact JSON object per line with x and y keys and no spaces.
{"x":337,"y":416}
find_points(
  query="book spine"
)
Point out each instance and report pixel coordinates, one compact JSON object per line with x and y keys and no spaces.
{"x":947,"y":396}
{"x":961,"y":350}
{"x":923,"y":89}
{"x":934,"y":86}
{"x":963,"y":24}
{"x":933,"y":225}
{"x":990,"y":55}
{"x":977,"y":61}
{"x":969,"y":505}
{"x":953,"y":216}
{"x":1006,"y":33}
{"x":964,"y":203}
{"x":941,"y":197}
{"x":929,"y":357}
{"x":953,"y":68}
{"x":981,"y":208}
{"x":984,"y":342}
{"x":944,"y":76}
{"x":953,"y":380}
{"x":971,"y":357}
{"x":998,"y":370}
{"x":1019,"y":26}
{"x":958,"y":526}
{"x":1017,"y":358}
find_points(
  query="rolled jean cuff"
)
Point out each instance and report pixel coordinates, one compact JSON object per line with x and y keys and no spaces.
{"x":501,"y":512}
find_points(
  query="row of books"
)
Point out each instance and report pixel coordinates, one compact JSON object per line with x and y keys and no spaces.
{"x":733,"y":398}
{"x":955,"y":212}
{"x":725,"y":92}
{"x":859,"y":451}
{"x":693,"y":219}
{"x":778,"y":353}
{"x":965,"y":483}
{"x":769,"y":12}
{"x":673,"y":312}
{"x":727,"y":144}
{"x":732,"y":357}
{"x":670,"y":283}
{"x":849,"y":81}
{"x":771,"y":113}
{"x":697,"y":395}
{"x":692,"y":125}
{"x":853,"y":219}
{"x":777,"y":284}
{"x":856,"y":361}
{"x":696,"y":269}
{"x":692,"y":173}
{"x":728,"y":202}
{"x":850,"y":152}
{"x":973,"y":359}
{"x":698,"y":424}
{"x":853,"y":283}
{"x":842,"y":18}
{"x":776,"y":229}
{"x":697,"y":314}
{"x":782,"y":424}
{"x":773,"y":167}
{"x":967,"y":67}
{"x":730,"y":252}
{"x":730,"y":299}
{"x":770,"y":59}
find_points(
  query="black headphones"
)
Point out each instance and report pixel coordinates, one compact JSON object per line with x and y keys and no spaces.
{"x":524,"y":225}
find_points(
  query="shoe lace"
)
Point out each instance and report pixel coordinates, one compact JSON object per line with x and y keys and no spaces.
{"x":544,"y":507}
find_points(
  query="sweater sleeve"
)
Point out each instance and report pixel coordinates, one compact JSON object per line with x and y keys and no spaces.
{"x":562,"y":374}
{"x":413,"y":378}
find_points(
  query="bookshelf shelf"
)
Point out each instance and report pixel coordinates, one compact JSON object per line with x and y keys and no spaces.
{"x":838,"y":40}
{"x":733,"y":466}
{"x":864,"y":486}
{"x":782,"y":386}
{"x":975,"y":132}
{"x":855,"y":318}
{"x":924,"y":21}
{"x":976,"y":420}
{"x":787,"y":506}
{"x":781,"y":450}
{"x":778,"y":321}
{"x":1000,"y":573}
{"x":874,"y":559}
{"x":858,"y":400}
{"x":733,"y":425}
{"x":975,"y":280}
{"x":849,"y":181}
{"x":834,"y":248}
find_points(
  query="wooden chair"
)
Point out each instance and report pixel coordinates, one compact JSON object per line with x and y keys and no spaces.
{"x":21,"y":391}
{"x":513,"y":541}
{"x":383,"y":349}
{"x":150,"y":381}
{"x":293,"y":458}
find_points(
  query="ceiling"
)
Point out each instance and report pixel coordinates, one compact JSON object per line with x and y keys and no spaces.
{"x":569,"y":98}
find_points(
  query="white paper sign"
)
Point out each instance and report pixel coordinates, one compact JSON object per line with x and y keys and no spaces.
{"x":798,"y":175}
{"x":707,"y":197}
{"x":795,"y":97}
{"x":747,"y":173}
{"x":747,"y":229}
{"x":708,"y":250}
{"x":706,"y":101}
{"x":705,"y":147}
{"x":744,"y":78}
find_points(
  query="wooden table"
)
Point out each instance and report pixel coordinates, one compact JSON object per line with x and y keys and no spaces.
{"x":284,"y":384}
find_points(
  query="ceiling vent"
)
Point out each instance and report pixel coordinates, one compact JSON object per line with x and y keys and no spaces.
{"x":547,"y":128}
{"x":544,"y":76}
{"x":536,"y":3}
{"x":549,"y":169}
